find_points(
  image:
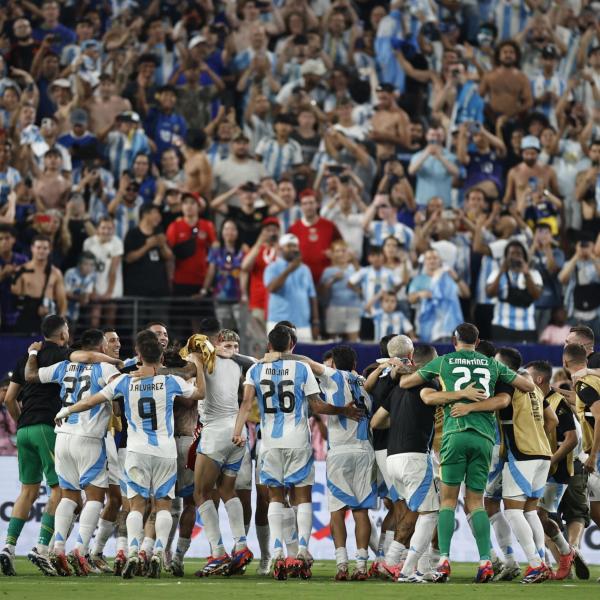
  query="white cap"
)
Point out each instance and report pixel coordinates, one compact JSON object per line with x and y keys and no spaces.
{"x":530,"y":141}
{"x":313,"y":67}
{"x":197,"y":39}
{"x":63,"y":83}
{"x":288,"y":238}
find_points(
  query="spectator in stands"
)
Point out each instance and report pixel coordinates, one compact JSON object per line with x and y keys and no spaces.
{"x":105,"y":105}
{"x":162,"y":124}
{"x":51,"y":27}
{"x":586,"y":191}
{"x":79,"y":141}
{"x":198,"y":172}
{"x":125,"y":206}
{"x":80,"y":283}
{"x":51,"y":188}
{"x":557,"y":330}
{"x":280,"y":154}
{"x":9,"y":263}
{"x":141,"y":173}
{"x":8,"y":428}
{"x":24,"y":48}
{"x":386,"y":223}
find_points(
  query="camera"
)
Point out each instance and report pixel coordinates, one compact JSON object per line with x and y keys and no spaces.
{"x":515,"y":264}
{"x":344,"y":179}
{"x":335,"y":169}
{"x":474,"y":127}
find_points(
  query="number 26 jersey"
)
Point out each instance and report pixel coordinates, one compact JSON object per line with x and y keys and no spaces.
{"x":281,"y":390}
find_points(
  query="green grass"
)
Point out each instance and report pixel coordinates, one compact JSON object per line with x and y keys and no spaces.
{"x":28,"y":586}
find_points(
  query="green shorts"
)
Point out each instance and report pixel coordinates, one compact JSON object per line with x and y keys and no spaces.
{"x":35,"y":452}
{"x":466,"y":456}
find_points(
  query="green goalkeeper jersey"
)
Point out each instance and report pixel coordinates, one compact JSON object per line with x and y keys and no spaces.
{"x":456,"y":371}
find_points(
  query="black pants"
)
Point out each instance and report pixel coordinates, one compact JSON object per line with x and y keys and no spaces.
{"x":511,"y":336}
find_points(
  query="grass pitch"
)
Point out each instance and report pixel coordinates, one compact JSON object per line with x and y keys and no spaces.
{"x":31,"y":585}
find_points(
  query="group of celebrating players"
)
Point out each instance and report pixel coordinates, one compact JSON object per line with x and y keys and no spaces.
{"x":152,"y":439}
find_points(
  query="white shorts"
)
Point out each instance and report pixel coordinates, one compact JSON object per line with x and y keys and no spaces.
{"x":412,"y":476}
{"x":115,"y":473}
{"x":286,"y":467}
{"x":493,"y":489}
{"x":150,"y":476}
{"x":594,"y":486}
{"x":122,"y":455}
{"x":215,"y":443}
{"x":523,"y":479}
{"x":185,"y":476}
{"x":243,"y":481}
{"x":80,"y":461}
{"x":351,"y":478}
{"x":553,"y":493}
{"x":343,"y":319}
{"x":385,"y":487}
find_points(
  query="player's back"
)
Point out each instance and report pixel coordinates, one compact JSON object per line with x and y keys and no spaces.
{"x":463,"y":367}
{"x":282,"y":388}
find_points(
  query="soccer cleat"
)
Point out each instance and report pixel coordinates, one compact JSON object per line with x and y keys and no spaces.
{"x":80,"y":565}
{"x":342,"y":573}
{"x":177,"y":567}
{"x":304,"y":571}
{"x":390,"y":571}
{"x":239,"y":561}
{"x":581,"y":567}
{"x":280,"y":571}
{"x":293,"y":567}
{"x":416,"y":577}
{"x":509,"y":572}
{"x":42,"y":563}
{"x":497,"y":565}
{"x":564,"y":565}
{"x":442,"y":572}
{"x":167,"y":560}
{"x":120,"y":561}
{"x":360,"y":574}
{"x":93,"y":568}
{"x":535,"y":574}
{"x":61,"y":564}
{"x":155,"y":566}
{"x":131,"y":567}
{"x":374,"y":569}
{"x":99,"y":562}
{"x":264,"y":567}
{"x":485,"y":572}
{"x":143,"y":564}
{"x":7,"y":561}
{"x":216,"y":565}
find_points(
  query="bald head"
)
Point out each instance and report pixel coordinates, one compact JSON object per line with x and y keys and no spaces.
{"x":400,"y":346}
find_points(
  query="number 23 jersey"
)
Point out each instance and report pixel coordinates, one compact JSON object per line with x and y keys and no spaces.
{"x":148,"y":406}
{"x":281,"y":390}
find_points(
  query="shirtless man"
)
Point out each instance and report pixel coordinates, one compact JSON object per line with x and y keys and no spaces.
{"x":51,"y":188}
{"x":198,"y":173}
{"x":104,"y":107}
{"x":529,"y":176}
{"x":40,"y":288}
{"x":506,"y":87}
{"x":390,"y":124}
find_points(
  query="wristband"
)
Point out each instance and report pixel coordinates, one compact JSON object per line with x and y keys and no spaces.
{"x":33,"y":353}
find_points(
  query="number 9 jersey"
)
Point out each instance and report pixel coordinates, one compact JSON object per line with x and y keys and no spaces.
{"x":281,"y":390}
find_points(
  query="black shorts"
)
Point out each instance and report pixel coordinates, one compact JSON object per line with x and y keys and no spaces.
{"x":574,"y":504}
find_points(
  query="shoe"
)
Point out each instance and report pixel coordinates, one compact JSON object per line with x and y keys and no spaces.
{"x":155,"y":566}
{"x":293,"y":567}
{"x":390,"y":571}
{"x":360,"y":574}
{"x":374,"y":570}
{"x":342,"y":573}
{"x":216,"y":565}
{"x":61,"y":564}
{"x":264,"y":567}
{"x":93,"y":568}
{"x":120,"y":561}
{"x":564,"y":565}
{"x":42,"y":563}
{"x":509,"y":572}
{"x":442,"y":572}
{"x":535,"y":574}
{"x":131,"y":567}
{"x":416,"y":577}
{"x":548,"y":573}
{"x":167,"y":560}
{"x":485,"y":572}
{"x":304,"y":571}
{"x":177,"y":567}
{"x":239,"y":561}
{"x":581,"y":567}
{"x":80,"y":565}
{"x":497,"y":565}
{"x":7,"y":563}
{"x":280,"y":568}
{"x":99,"y":562}
{"x":143,"y":564}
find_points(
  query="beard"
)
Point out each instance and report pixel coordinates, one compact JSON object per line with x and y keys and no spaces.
{"x":530,"y":161}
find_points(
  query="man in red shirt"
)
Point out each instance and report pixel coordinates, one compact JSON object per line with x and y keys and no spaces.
{"x":190,"y":237}
{"x":315,"y":234}
{"x":262,"y":254}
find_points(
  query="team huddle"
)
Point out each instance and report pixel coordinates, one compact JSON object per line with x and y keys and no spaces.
{"x":155,"y":438}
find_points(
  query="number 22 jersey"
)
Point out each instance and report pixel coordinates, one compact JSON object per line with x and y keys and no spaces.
{"x":281,"y":390}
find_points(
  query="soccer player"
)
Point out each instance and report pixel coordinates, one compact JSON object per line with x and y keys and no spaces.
{"x":467,"y":442}
{"x":80,"y":451}
{"x":151,"y":463}
{"x":285,"y":389}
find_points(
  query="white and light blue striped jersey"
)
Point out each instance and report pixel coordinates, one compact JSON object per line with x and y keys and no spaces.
{"x":391,"y":323}
{"x":540,"y":85}
{"x":282,"y":389}
{"x":372,"y":281}
{"x":8,"y":181}
{"x":507,"y":315}
{"x":380,"y":230}
{"x":77,"y":382}
{"x":148,"y":406}
{"x":278,"y":159}
{"x":510,"y":17}
{"x":340,"y":388}
{"x":130,"y":362}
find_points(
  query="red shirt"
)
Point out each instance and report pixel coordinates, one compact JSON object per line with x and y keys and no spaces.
{"x":192,"y":270}
{"x":315,"y":241}
{"x":258,"y":296}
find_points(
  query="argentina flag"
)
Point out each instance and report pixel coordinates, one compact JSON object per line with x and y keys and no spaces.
{"x":441,"y":313}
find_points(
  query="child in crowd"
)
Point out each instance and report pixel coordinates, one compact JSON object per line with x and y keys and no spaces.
{"x":389,"y":320}
{"x":80,"y":282}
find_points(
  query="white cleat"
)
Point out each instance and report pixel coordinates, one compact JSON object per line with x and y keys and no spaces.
{"x":265,"y":567}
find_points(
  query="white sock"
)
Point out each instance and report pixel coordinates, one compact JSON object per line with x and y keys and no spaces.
{"x":63,"y":517}
{"x":235,"y":513}
{"x":135,"y":530}
{"x":183,"y":545}
{"x":262,"y":533}
{"x":305,"y":519}
{"x":362,"y":554}
{"x":420,"y":540}
{"x":539,"y":537}
{"x":122,"y":543}
{"x":522,"y":530}
{"x":561,"y":544}
{"x":341,"y":556}
{"x":395,"y":553}
{"x":374,"y":539}
{"x":275,"y":516}
{"x":105,"y":530}
{"x":380,"y":544}
{"x":290,"y":531}
{"x":148,"y":545}
{"x":503,"y":535}
{"x":87,"y":523}
{"x":210,"y":518}
{"x":387,"y":540}
{"x":164,"y":522}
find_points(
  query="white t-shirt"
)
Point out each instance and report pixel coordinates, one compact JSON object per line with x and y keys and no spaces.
{"x":104,"y":254}
{"x":222,"y":385}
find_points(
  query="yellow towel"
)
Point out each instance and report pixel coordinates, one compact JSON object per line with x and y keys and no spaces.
{"x":200,"y":344}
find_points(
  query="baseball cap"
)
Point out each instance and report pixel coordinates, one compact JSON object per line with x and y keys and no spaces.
{"x":78,"y":116}
{"x":61,"y":82}
{"x":197,"y":39}
{"x":288,"y":239}
{"x":313,"y":67}
{"x":91,"y":45}
{"x":195,"y":196}
{"x":241,"y":137}
{"x":530,"y":142}
{"x":270,"y":221}
{"x":128,"y":115}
